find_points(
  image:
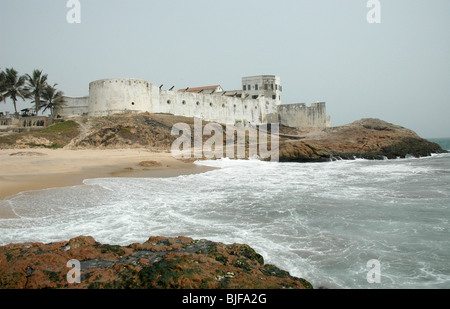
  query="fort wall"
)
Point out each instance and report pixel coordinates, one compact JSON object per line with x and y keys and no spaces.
{"x":300,"y":115}
{"x":216,"y":107}
{"x":258,"y":102}
{"x":74,"y":106}
{"x":111,"y":96}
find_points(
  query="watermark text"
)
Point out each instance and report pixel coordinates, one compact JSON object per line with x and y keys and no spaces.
{"x":374,"y":274}
{"x":74,"y":274}
{"x":374,"y":14}
{"x":74,"y":14}
{"x":240,"y":141}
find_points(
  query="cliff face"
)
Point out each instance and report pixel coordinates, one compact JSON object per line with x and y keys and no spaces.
{"x":366,"y":138}
{"x":158,"y":263}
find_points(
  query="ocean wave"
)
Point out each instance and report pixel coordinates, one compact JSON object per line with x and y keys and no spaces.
{"x":320,"y":221}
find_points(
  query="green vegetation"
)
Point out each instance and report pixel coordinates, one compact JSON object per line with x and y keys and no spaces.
{"x":34,"y":86}
{"x":272,"y":270}
{"x":58,"y":135}
{"x":61,"y":128}
{"x":13,"y":87}
{"x":112,"y":248}
{"x":53,"y":99}
{"x":164,"y":274}
{"x":125,"y":132}
{"x":251,"y":254}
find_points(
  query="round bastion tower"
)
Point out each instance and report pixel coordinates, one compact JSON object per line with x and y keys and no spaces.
{"x":110,"y":96}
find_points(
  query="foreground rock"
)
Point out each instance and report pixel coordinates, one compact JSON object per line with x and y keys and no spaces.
{"x":158,"y":263}
{"x":366,"y":139}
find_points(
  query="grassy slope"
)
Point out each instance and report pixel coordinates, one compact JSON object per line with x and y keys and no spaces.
{"x":58,"y":135}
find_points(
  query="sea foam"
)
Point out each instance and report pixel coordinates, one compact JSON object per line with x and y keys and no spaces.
{"x":319,"y":221}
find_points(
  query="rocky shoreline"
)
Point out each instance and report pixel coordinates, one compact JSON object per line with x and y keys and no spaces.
{"x":371,"y":139}
{"x":367,"y":138}
{"x":158,"y":263}
{"x":175,"y":263}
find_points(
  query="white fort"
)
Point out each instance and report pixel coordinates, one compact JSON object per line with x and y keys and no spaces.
{"x":257,"y":102}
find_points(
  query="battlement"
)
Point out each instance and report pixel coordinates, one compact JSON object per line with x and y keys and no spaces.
{"x":258,"y":102}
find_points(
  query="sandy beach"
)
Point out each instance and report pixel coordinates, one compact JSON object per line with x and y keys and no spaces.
{"x":34,"y":169}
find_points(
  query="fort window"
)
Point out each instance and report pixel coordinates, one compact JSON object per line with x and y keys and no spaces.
{"x":132,"y":103}
{"x":249,"y":87}
{"x":184,"y":102}
{"x":266,"y":87}
{"x":274,"y":97}
{"x":281,"y":89}
{"x":245,"y":88}
{"x":256,"y":86}
{"x":168,"y":101}
{"x":272,"y":86}
{"x":276,"y":87}
{"x":210,"y":104}
{"x":254,"y":96}
{"x":223,"y":105}
{"x":198,"y":103}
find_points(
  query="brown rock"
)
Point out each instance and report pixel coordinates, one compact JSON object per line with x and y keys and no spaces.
{"x":160,"y":262}
{"x":365,"y":138}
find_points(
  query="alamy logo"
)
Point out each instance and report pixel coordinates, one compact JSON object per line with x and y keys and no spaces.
{"x":240,"y":141}
{"x":374,"y":14}
{"x":74,"y":14}
{"x":374,"y":274}
{"x":74,"y":274}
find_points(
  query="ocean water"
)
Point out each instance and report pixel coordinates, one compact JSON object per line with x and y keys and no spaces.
{"x":320,"y":221}
{"x":443,"y":142}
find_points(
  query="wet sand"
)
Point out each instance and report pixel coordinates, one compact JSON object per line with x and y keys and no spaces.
{"x":34,"y":169}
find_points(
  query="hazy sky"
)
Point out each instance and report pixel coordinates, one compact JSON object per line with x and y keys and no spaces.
{"x":323,"y":50}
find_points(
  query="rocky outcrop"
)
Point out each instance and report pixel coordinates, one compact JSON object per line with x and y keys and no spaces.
{"x":128,"y":131}
{"x":366,"y":138}
{"x":158,"y":263}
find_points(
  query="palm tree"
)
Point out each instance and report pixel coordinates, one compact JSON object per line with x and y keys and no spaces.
{"x":14,"y":87}
{"x":36,"y":84}
{"x":52,"y":98}
{"x":2,"y":85}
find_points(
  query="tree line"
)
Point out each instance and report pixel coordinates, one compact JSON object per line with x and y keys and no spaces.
{"x":35,"y":87}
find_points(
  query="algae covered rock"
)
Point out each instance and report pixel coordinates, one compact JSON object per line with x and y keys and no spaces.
{"x":158,"y":263}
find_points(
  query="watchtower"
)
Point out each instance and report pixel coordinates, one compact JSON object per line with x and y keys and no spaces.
{"x":268,"y":86}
